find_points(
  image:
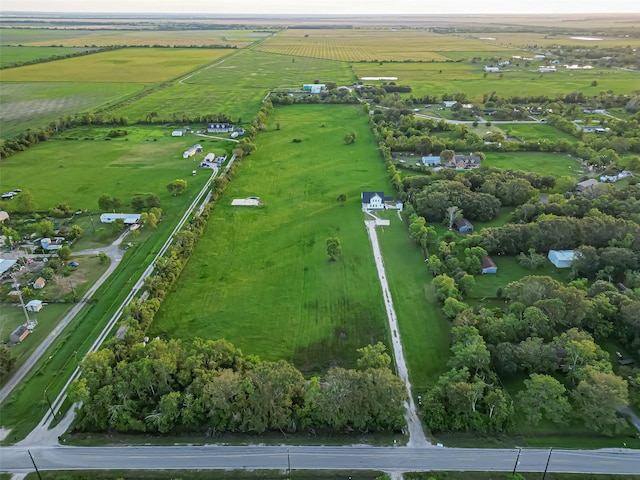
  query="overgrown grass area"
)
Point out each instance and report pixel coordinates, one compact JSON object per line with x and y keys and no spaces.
{"x":129,"y":65}
{"x":425,"y":333}
{"x":82,"y":165}
{"x":207,"y":475}
{"x":555,"y":164}
{"x":33,"y":104}
{"x":536,"y":131}
{"x":237,"y":85}
{"x":13,"y":55}
{"x":261,"y":277}
{"x":508,"y":476}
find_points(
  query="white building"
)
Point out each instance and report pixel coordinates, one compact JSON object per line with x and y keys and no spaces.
{"x":313,"y":87}
{"x":197,"y":148}
{"x":128,"y":218}
{"x":177,"y":133}
{"x":561,"y":258}
{"x":449,"y":103}
{"x":491,"y":69}
{"x":34,"y":306}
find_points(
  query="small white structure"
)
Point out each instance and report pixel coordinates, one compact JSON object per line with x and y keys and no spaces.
{"x":491,"y":70}
{"x":246,"y":202}
{"x":561,"y":258}
{"x":220,"y":128}
{"x":540,"y":56}
{"x":209,"y":158}
{"x":431,"y":160}
{"x":197,"y":148}
{"x":449,"y":103}
{"x":34,"y":306}
{"x":177,"y":133}
{"x":586,"y":184}
{"x":3,"y":216}
{"x":550,"y":69}
{"x":505,"y":63}
{"x":372,"y":200}
{"x":313,"y":87}
{"x":128,"y":218}
{"x":615,"y":178}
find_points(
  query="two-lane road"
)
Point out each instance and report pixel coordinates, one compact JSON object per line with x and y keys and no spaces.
{"x":389,"y":459}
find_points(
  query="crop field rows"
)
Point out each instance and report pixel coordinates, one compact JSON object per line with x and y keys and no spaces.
{"x":530,"y":39}
{"x":12,"y":55}
{"x":371,"y":45}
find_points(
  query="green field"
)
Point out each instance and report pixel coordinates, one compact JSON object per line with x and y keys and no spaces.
{"x":22,"y":36}
{"x":79,"y":171}
{"x":237,"y":85}
{"x":33,"y":104}
{"x":261,"y":277}
{"x":130,"y":65}
{"x":536,"y":131}
{"x":12,"y":55}
{"x":439,"y":78}
{"x":554,"y":164}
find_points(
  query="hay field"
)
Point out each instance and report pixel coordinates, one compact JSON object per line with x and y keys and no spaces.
{"x":366,"y":45}
{"x":237,"y":85}
{"x":533,"y":40}
{"x":130,"y":65}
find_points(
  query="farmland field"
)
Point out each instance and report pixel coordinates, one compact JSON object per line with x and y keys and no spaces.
{"x":554,"y":164}
{"x":536,"y":131}
{"x":261,"y":277}
{"x":237,"y":85}
{"x":131,"y":65}
{"x":79,"y":171}
{"x":32,"y":104}
{"x":12,"y":55}
{"x":438,"y":78}
{"x":533,"y":40}
{"x":367,"y":45}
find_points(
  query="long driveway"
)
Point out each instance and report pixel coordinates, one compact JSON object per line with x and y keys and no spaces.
{"x":388,"y":459}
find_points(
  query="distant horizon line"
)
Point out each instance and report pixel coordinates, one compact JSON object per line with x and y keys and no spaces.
{"x":337,"y":15}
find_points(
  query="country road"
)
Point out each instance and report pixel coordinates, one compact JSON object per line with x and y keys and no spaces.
{"x":388,"y":459}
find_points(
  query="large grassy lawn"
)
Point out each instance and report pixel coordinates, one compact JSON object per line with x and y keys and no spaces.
{"x":424,"y":331}
{"x":130,"y":65}
{"x":26,"y":105}
{"x":237,"y":85}
{"x":82,"y":166}
{"x":261,"y":277}
{"x":555,"y":164}
{"x":536,"y":131}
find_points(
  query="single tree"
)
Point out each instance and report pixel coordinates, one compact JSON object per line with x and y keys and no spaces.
{"x":45,"y":228}
{"x":177,"y":187}
{"x":6,"y":361}
{"x":26,"y":203}
{"x":350,"y":138}
{"x":544,"y":396}
{"x":64,"y":253}
{"x":453,"y":214}
{"x":76,"y":231}
{"x":137,"y":203}
{"x":334,"y":248}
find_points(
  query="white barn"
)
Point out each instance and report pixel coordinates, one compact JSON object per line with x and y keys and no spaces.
{"x":128,"y":218}
{"x":561,"y":258}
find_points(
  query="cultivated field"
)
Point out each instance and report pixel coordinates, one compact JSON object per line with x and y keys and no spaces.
{"x":32,"y":104}
{"x":13,"y":55}
{"x":80,"y":166}
{"x":261,"y":277}
{"x":237,"y":85}
{"x":366,"y":45}
{"x":131,"y":65}
{"x":540,"y":40}
{"x":436,"y":79}
{"x":108,"y":37}
{"x":554,"y":164}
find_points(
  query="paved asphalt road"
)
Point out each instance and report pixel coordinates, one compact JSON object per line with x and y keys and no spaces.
{"x":389,"y":459}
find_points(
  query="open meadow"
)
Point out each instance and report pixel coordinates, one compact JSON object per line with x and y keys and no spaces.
{"x":536,"y":131}
{"x":440,"y":78}
{"x":237,"y":85}
{"x":12,"y":55}
{"x":555,"y":164}
{"x":130,"y":65}
{"x":261,"y":277}
{"x":81,"y":166}
{"x":371,"y":45}
{"x":541,"y":40}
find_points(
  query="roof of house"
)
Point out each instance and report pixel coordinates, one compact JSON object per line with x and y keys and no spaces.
{"x":587,"y":183}
{"x":563,"y":255}
{"x":468,"y":159}
{"x":463,"y":222}
{"x":3,"y":215}
{"x":34,"y":303}
{"x":20,"y":331}
{"x":40,"y":281}
{"x":6,"y":264}
{"x":487,"y":262}
{"x":367,"y":196}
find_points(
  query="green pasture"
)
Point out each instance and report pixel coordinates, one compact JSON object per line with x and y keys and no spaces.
{"x":536,"y":131}
{"x":542,"y":40}
{"x":425,"y":333}
{"x":238,"y":85}
{"x":554,"y":164}
{"x":261,"y":277}
{"x":13,"y":55}
{"x":53,"y":37}
{"x":129,"y":65}
{"x":26,"y":105}
{"x":440,"y":78}
{"x":82,"y":165}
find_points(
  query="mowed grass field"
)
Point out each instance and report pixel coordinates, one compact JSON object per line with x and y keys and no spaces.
{"x":261,"y":277}
{"x":13,"y":55}
{"x":32,"y":104}
{"x":439,"y":78}
{"x":130,"y":65}
{"x":555,"y":164}
{"x":366,"y":45}
{"x":237,"y":85}
{"x":536,"y":131}
{"x":79,"y":171}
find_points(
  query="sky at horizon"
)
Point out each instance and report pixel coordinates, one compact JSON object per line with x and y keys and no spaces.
{"x":362,"y":7}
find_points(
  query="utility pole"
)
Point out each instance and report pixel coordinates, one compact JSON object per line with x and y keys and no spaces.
{"x":24,"y":308}
{"x":50,"y":406}
{"x":34,"y":464}
{"x":289,"y":463}
{"x":547,"y":466}
{"x":516,"y":464}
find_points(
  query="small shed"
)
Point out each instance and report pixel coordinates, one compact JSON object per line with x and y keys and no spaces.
{"x":3,"y":216}
{"x":177,"y":133}
{"x":488,"y":265}
{"x":19,"y":334}
{"x":561,"y":258}
{"x":34,"y":306}
{"x":39,"y":283}
{"x":431,"y":160}
{"x":463,"y":225}
{"x":449,"y":103}
{"x":586,"y":184}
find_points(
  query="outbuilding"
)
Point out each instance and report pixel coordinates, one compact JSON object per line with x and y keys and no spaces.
{"x":582,"y":186}
{"x":19,"y":334}
{"x":488,"y":265}
{"x":561,"y":258}
{"x":34,"y":306}
{"x":3,"y":216}
{"x":39,"y":283}
{"x":463,"y":225}
{"x":127,"y":218}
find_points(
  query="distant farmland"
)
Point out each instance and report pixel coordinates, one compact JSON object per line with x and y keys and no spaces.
{"x":131,"y":65}
{"x":363,"y":45}
{"x":12,"y":55}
